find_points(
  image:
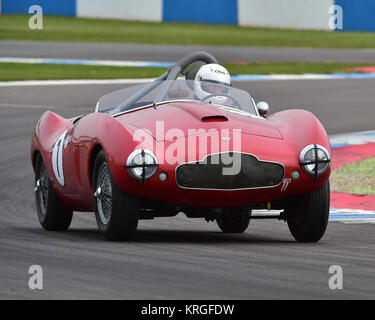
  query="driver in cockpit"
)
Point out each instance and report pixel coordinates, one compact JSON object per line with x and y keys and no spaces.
{"x":212,"y":84}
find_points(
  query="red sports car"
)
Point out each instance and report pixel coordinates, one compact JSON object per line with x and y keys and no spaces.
{"x":157,"y":149}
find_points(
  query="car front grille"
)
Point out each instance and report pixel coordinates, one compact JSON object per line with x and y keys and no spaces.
{"x":215,"y":173}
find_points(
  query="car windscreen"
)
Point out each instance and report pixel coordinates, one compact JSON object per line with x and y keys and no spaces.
{"x":147,"y":94}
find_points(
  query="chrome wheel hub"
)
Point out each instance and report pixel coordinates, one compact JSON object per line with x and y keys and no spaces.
{"x":103,"y":194}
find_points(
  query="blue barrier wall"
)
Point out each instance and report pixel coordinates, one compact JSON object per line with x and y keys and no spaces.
{"x":359,"y":15}
{"x":52,"y":7}
{"x":203,"y":11}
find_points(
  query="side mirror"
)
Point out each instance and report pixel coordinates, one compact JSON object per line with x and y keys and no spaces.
{"x":263,"y":108}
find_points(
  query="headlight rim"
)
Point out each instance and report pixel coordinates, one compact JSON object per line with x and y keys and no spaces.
{"x":303,"y":164}
{"x":129,"y":166}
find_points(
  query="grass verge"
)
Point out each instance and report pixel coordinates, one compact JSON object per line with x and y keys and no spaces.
{"x":106,"y":30}
{"x":24,"y":71}
{"x":355,"y":178}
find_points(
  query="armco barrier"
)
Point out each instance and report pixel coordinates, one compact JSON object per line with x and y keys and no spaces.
{"x":202,"y":11}
{"x":146,"y":10}
{"x":52,"y":7}
{"x":296,"y":14}
{"x":358,"y":15}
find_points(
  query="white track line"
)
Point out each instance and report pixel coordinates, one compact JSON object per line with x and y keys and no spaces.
{"x":351,"y":216}
{"x":71,"y":82}
{"x":353,"y":138}
{"x":336,"y":215}
{"x":279,"y":77}
{"x":88,"y":62}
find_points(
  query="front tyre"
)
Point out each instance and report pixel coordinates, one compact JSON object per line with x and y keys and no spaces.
{"x":309,"y":214}
{"x":116,"y":212}
{"x":234,"y":221}
{"x":53,"y":215}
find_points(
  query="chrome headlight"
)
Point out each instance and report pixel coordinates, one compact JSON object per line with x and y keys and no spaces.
{"x":315,"y":160}
{"x":142,"y":164}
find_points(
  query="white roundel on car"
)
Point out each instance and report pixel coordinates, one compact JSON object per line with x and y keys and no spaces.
{"x":57,"y":159}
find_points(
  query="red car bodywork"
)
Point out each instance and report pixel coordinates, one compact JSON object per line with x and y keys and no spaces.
{"x":279,"y":138}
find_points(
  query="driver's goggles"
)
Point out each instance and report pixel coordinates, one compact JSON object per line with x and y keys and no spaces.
{"x":214,"y":88}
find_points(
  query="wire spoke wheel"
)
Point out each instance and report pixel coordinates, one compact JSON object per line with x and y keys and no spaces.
{"x":116,"y":212}
{"x":53,"y":214}
{"x":42,"y":189}
{"x":104,"y":194}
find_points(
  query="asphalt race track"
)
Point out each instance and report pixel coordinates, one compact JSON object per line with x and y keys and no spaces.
{"x":176,"y":258}
{"x":170,"y":53}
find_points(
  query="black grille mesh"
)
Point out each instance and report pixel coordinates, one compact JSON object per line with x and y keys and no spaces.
{"x":209,"y":175}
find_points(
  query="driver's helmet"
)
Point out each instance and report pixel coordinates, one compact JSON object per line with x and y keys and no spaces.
{"x":212,"y":79}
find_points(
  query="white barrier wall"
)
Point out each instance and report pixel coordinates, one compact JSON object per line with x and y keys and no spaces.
{"x":296,"y":14}
{"x":146,"y":10}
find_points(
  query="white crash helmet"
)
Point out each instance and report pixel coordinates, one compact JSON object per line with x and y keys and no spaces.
{"x":212,"y":79}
